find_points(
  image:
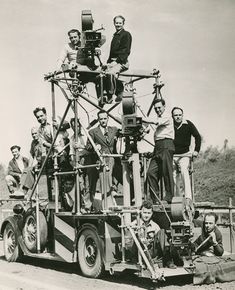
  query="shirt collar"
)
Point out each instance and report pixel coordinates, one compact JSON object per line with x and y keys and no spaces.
{"x":46,"y":124}
{"x":19,"y":158}
{"x":182,"y":123}
{"x":118,"y":32}
{"x":149,"y":224}
{"x":74,"y":46}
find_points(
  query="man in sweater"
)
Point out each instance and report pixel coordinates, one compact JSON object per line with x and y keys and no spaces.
{"x":209,"y":243}
{"x":118,"y":57}
{"x":184,"y":130}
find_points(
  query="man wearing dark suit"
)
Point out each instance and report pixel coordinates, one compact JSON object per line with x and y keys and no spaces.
{"x":16,"y":167}
{"x":105,"y":138}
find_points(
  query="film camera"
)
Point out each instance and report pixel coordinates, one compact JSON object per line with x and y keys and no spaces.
{"x":181,"y":234}
{"x":91,"y":40}
{"x":131,"y":124}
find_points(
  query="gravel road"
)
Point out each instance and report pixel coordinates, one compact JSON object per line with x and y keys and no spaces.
{"x":37,"y":274}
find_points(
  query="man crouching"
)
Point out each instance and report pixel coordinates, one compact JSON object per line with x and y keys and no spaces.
{"x":152,"y":238}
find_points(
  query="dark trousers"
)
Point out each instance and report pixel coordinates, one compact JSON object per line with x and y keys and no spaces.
{"x":161,"y":166}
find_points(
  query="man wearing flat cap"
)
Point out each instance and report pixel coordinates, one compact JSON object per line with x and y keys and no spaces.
{"x":16,"y":167}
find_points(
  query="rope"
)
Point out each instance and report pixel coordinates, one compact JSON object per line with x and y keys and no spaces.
{"x":143,"y":95}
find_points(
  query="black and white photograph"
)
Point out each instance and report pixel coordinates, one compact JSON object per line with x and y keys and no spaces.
{"x":117,"y":156}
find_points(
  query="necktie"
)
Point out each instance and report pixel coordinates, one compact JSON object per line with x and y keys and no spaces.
{"x":106,"y":135}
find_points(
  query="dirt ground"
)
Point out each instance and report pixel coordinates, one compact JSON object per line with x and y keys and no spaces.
{"x":37,"y":274}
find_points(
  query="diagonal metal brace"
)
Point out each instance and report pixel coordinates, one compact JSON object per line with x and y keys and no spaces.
{"x":155,"y":275}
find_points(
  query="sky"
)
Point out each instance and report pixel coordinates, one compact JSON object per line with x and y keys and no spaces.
{"x":191,"y":42}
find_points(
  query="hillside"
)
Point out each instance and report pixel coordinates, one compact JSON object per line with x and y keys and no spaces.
{"x":214,"y":176}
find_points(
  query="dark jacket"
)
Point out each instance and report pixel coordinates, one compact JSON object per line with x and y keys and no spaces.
{"x":120,"y":47}
{"x":107,"y":143}
{"x":14,"y":170}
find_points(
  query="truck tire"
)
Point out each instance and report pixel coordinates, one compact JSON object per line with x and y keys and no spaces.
{"x":29,"y":232}
{"x":12,"y":250}
{"x":90,"y":254}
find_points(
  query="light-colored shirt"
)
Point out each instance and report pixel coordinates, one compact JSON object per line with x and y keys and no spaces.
{"x":164,"y":128}
{"x":71,"y":53}
{"x":81,"y":144}
{"x":20,"y":163}
{"x":147,"y":231}
{"x":45,"y":133}
{"x":103,"y":130}
{"x":182,"y":123}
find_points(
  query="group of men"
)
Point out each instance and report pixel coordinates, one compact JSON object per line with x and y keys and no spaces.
{"x":21,"y":170}
{"x":171,"y":156}
{"x":21,"y":173}
{"x":172,"y":136}
{"x":155,"y":241}
{"x":74,"y":54}
{"x":170,"y":159}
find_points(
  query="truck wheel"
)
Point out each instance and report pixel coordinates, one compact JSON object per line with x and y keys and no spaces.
{"x":90,"y":254}
{"x":30,"y":231}
{"x":12,"y":250}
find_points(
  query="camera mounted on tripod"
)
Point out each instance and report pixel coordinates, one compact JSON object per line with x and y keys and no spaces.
{"x":91,"y":40}
{"x":131,"y":124}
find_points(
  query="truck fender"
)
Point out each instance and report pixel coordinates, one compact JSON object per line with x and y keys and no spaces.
{"x":15,"y":221}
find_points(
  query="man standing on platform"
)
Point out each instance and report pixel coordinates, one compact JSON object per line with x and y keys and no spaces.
{"x":105,"y":138}
{"x":161,"y":164}
{"x":184,"y":130}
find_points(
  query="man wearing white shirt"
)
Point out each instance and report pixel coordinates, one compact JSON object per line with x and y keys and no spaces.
{"x":70,"y":50}
{"x":161,"y":164}
{"x":152,"y":237}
